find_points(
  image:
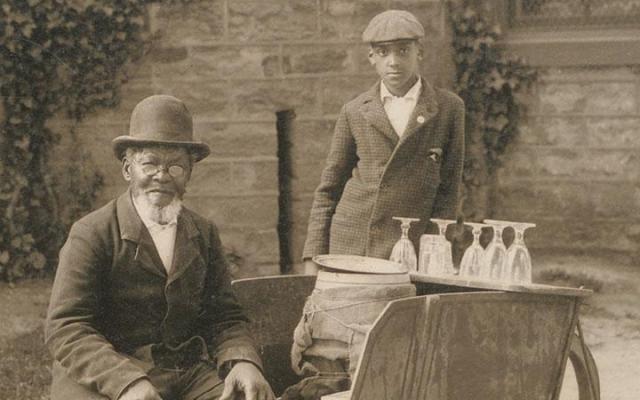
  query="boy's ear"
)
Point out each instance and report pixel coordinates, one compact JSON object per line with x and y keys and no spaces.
{"x":370,"y":55}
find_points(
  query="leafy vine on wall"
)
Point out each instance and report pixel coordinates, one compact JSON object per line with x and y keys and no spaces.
{"x":493,"y":86}
{"x":56,"y":57}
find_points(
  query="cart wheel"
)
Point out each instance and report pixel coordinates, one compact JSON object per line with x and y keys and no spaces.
{"x":585,"y":368}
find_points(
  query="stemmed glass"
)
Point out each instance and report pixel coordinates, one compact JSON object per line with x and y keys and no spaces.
{"x":403,"y":251}
{"x":431,"y":260}
{"x":518,"y":258}
{"x":445,"y":246}
{"x":473,"y":260}
{"x":496,"y":253}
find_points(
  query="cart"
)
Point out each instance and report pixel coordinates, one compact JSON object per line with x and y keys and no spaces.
{"x":457,"y":339}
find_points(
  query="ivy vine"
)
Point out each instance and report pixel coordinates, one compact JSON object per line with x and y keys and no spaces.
{"x":492,"y":85}
{"x":56,"y":57}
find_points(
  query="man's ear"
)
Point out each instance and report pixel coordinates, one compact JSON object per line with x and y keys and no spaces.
{"x":126,"y":169}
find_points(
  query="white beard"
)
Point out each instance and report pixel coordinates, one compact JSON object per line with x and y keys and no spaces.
{"x":160,"y":215}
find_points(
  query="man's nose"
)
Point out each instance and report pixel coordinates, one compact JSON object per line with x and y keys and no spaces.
{"x":162,"y":175}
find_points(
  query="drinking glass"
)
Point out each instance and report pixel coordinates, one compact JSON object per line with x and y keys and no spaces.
{"x":432,"y":256}
{"x":445,"y":244}
{"x":496,"y":253}
{"x":473,"y":260}
{"x":403,"y":251}
{"x":518,"y":257}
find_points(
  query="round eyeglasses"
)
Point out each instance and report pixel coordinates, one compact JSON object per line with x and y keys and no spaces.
{"x":150,"y":169}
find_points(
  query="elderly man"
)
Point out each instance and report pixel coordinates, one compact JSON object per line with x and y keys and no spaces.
{"x":141,"y":306}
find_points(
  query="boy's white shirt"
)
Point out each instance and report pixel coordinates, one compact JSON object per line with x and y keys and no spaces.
{"x":399,"y":109}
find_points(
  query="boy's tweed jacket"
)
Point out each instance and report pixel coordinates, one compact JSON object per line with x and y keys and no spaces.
{"x":112,"y":298}
{"x":372,"y":175}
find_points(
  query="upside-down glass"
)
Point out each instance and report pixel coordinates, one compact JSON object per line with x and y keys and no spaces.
{"x":518,"y":258}
{"x":431,"y":260}
{"x":446,"y":245}
{"x":496,"y":253}
{"x":403,"y":251}
{"x":473,"y":260}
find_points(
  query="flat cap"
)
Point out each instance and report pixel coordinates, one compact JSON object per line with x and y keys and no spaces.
{"x":393,"y":25}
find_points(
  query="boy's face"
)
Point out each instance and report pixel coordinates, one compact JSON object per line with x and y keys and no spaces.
{"x":396,"y":63}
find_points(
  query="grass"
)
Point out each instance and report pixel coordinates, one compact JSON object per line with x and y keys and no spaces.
{"x":25,"y":364}
{"x":25,"y":369}
{"x":561,"y":277}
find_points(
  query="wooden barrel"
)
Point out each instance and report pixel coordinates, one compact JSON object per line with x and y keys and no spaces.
{"x":338,"y":315}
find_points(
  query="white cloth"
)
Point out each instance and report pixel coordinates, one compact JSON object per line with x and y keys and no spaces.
{"x":399,"y":109}
{"x":164,"y":237}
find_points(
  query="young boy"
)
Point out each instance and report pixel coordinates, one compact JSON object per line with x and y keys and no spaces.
{"x":397,"y":150}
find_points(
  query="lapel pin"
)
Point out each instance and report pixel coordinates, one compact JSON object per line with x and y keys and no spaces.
{"x":420,"y":119}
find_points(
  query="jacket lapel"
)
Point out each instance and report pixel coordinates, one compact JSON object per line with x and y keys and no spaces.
{"x":132,"y":229}
{"x":426,"y":108}
{"x":186,"y":248}
{"x":373,"y":111}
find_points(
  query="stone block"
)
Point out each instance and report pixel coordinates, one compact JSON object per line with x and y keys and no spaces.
{"x":346,"y":20}
{"x":257,"y":99}
{"x":251,"y":20}
{"x":241,"y":211}
{"x":208,"y":100}
{"x":300,"y":209}
{"x":310,"y":139}
{"x":597,"y":98}
{"x":317,"y":59}
{"x":239,"y":139}
{"x":613,"y":132}
{"x":581,"y":235}
{"x":177,"y":23}
{"x":205,"y":63}
{"x":307,"y":177}
{"x":168,"y":55}
{"x":532,"y":201}
{"x":298,"y":237}
{"x":429,"y":13}
{"x":564,"y":163}
{"x":339,"y":90}
{"x":553,"y":131}
{"x":221,"y":177}
{"x":589,"y":74}
{"x":576,"y":131}
{"x":254,"y":270}
{"x":253,"y":249}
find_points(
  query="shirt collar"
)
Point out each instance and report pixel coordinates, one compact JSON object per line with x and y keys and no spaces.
{"x":412,"y":94}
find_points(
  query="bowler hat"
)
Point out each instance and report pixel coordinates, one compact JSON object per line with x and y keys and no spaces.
{"x":393,"y":25}
{"x":160,"y":120}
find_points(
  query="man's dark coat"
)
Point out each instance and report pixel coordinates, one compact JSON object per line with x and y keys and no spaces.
{"x":112,"y":298}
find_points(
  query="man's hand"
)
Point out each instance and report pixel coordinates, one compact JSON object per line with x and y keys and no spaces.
{"x":140,"y":390}
{"x":310,"y":268}
{"x":246,"y":378}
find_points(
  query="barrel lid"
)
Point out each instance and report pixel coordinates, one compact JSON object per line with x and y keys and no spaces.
{"x":360,"y":264}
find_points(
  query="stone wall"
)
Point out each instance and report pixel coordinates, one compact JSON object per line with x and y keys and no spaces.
{"x":236,"y":63}
{"x":575,"y":170}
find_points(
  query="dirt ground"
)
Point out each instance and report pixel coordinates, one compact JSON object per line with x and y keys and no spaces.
{"x":610,"y":321}
{"x":610,"y":318}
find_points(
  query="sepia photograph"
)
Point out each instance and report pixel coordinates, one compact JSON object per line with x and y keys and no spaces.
{"x":319,"y":199}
